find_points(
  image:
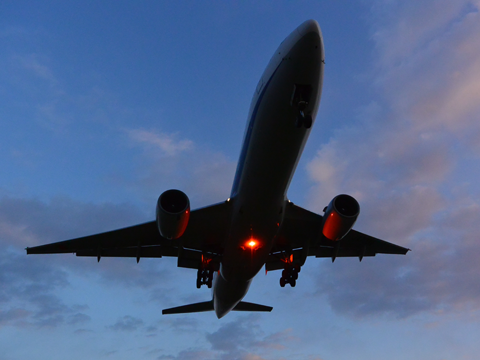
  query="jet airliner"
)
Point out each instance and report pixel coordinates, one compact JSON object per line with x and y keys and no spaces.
{"x":257,"y":226}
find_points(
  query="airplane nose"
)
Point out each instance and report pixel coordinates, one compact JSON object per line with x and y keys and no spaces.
{"x":310,"y":33}
{"x":308,"y":27}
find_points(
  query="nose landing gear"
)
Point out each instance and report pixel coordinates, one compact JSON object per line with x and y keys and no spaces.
{"x":303,"y":120}
{"x":300,"y":98}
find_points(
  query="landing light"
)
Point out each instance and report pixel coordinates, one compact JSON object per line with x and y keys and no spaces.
{"x":251,"y":244}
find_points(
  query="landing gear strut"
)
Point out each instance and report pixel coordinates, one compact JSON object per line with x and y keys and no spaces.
{"x":303,"y":120}
{"x":290,"y":275}
{"x":300,"y":98}
{"x":204,"y":277}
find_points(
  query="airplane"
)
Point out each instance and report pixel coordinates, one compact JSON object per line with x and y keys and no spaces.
{"x":257,"y":226}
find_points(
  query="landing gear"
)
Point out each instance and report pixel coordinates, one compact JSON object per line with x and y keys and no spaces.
{"x":290,"y":275}
{"x":303,"y":120}
{"x":204,"y":277}
{"x":300,"y":98}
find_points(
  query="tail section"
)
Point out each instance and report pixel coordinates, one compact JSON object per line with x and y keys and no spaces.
{"x":208,"y":306}
{"x":190,"y":308}
{"x":246,"y":306}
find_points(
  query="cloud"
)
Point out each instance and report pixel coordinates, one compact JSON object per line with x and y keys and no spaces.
{"x":401,"y":160}
{"x":168,"y":162}
{"x":127,"y":323}
{"x":30,"y":285}
{"x":33,"y":63}
{"x":189,"y":355}
{"x":165,"y":142}
{"x":184,"y":324}
{"x":78,"y":318}
{"x":235,"y":335}
{"x":27,"y":293}
{"x":244,"y":339}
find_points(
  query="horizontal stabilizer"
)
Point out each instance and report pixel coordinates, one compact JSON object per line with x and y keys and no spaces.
{"x":246,"y":306}
{"x":190,"y":308}
{"x":208,"y":306}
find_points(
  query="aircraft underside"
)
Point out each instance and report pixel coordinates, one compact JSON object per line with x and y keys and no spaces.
{"x":230,"y":242}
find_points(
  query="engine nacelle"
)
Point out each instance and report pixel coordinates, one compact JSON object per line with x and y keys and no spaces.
{"x":340,"y":215}
{"x":173,"y":212}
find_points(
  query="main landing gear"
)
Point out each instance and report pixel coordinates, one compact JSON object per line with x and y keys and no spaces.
{"x":290,"y":275}
{"x":204,"y":277}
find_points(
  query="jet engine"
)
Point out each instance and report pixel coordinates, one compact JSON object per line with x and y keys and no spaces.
{"x":340,"y":215}
{"x":173,"y":212}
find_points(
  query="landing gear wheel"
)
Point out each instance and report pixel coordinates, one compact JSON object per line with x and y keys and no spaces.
{"x":282,"y":282}
{"x":204,"y":277}
{"x":299,"y":121}
{"x":307,"y":121}
{"x":293,"y":282}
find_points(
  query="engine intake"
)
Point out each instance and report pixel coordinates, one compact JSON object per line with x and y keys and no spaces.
{"x":340,"y":216}
{"x":173,"y":212}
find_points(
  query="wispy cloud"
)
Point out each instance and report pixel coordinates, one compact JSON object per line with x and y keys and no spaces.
{"x":167,"y":143}
{"x":37,"y":66}
{"x":127,"y":323}
{"x":30,"y":285}
{"x":168,"y":161}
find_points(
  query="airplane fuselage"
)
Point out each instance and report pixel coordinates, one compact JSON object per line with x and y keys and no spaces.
{"x":273,"y":144}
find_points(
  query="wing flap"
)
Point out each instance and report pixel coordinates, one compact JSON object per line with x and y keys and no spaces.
{"x":157,"y":251}
{"x":143,"y":234}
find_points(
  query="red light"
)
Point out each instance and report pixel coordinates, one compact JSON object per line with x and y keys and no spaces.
{"x":251,"y":244}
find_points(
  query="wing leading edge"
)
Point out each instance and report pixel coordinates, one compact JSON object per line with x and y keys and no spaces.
{"x":205,"y":233}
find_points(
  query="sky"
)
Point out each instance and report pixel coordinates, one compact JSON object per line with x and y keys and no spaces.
{"x":105,"y":105}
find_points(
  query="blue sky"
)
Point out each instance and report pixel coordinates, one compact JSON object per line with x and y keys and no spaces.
{"x":103,"y":106}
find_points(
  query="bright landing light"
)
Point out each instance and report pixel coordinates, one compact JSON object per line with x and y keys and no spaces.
{"x":251,"y":244}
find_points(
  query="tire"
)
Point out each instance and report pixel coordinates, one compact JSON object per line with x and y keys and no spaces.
{"x":299,"y":121}
{"x":282,"y":282}
{"x":307,"y":121}
{"x":293,"y":282}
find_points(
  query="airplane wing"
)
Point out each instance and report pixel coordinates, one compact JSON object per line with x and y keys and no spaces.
{"x":204,"y":235}
{"x":301,"y":236}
